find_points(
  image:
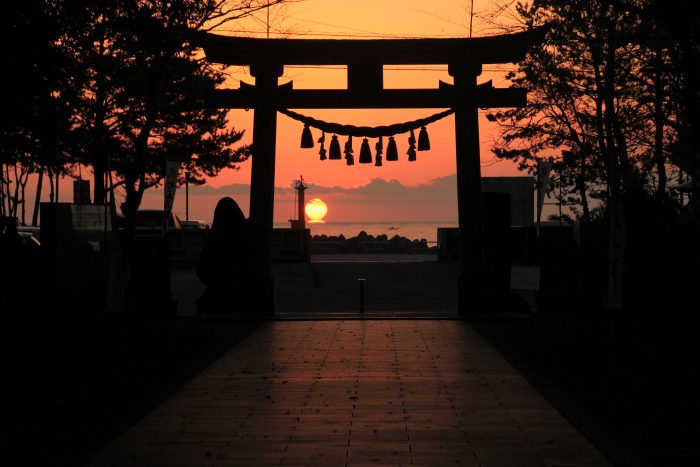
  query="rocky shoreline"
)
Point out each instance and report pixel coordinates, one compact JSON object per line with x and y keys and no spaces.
{"x":365,"y":243}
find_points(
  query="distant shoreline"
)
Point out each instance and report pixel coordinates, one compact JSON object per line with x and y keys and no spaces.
{"x":413,"y":230}
{"x":364,"y":243}
{"x":387,"y":222}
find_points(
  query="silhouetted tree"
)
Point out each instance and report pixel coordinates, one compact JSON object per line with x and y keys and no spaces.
{"x":577,"y":99}
{"x":603,"y":94}
{"x":32,"y":115}
{"x":139,"y":100}
{"x":609,"y":91}
{"x":116,"y":86}
{"x":674,"y":35}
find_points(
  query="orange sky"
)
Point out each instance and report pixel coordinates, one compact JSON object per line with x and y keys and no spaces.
{"x":363,"y":19}
{"x":359,"y":19}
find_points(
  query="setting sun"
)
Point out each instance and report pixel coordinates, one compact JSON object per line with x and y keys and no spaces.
{"x":316,"y":210}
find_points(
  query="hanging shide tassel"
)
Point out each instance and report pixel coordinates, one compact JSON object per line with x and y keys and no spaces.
{"x":365,"y":153}
{"x":423,"y":140}
{"x":334,"y":152}
{"x":380,"y":148}
{"x":411,"y":147}
{"x":322,"y":151}
{"x":307,"y":140}
{"x":392,"y":154}
{"x":348,"y":152}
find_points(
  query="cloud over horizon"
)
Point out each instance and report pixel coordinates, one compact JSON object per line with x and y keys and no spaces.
{"x":377,"y":200}
{"x":376,"y":190}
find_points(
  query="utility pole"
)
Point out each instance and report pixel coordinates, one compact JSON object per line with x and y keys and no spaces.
{"x":471,"y":18}
{"x":187,"y":195}
{"x":561,"y":199}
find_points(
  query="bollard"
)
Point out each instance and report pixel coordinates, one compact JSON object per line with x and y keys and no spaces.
{"x":362,"y":295}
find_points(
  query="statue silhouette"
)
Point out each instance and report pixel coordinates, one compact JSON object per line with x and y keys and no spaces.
{"x":224,"y":265}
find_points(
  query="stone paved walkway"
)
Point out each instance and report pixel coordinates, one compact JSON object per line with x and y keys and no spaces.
{"x":393,"y":392}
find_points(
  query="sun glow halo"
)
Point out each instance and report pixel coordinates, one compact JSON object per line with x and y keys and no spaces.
{"x":316,"y":210}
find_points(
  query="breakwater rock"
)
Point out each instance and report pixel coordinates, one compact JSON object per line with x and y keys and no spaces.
{"x":365,"y":243}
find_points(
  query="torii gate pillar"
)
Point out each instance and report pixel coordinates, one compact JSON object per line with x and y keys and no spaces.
{"x":472,"y":295}
{"x":365,"y":58}
{"x":262,"y":181}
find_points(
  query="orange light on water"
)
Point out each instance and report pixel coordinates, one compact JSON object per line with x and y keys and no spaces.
{"x":316,"y":210}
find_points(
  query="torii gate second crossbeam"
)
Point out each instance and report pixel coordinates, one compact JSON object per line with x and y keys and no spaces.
{"x":365,"y":60}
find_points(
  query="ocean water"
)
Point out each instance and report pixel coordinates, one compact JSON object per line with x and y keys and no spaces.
{"x":412,"y":230}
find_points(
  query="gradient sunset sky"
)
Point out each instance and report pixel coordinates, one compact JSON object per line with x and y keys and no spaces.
{"x":352,"y":193}
{"x":365,"y":19}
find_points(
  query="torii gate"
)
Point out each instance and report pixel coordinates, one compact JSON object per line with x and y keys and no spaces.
{"x":365,"y":59}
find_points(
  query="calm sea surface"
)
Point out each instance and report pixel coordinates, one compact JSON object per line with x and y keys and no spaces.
{"x":411,"y":230}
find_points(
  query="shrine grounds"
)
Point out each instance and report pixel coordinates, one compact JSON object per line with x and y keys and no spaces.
{"x":74,"y":383}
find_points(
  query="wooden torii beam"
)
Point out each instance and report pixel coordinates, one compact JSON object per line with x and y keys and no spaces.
{"x":365,"y":60}
{"x":444,"y":97}
{"x":506,"y":48}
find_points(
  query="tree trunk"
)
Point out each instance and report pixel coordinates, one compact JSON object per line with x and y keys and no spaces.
{"x":692,"y":109}
{"x":23,"y":190}
{"x":7,"y":191}
{"x":659,"y":128}
{"x":98,"y":156}
{"x":129,"y":207}
{"x":37,"y":197}
{"x":99,"y":177}
{"x":616,"y":227}
{"x":2,"y":189}
{"x":134,"y":195}
{"x":49,"y":172}
{"x":15,"y":198}
{"x":582,"y":189}
{"x":599,"y":110}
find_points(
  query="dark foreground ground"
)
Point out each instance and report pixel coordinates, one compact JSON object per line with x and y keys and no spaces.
{"x":72,"y":384}
{"x":352,"y":393}
{"x":628,"y":382}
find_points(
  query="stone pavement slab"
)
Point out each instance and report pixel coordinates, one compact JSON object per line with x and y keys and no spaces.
{"x":393,"y":392}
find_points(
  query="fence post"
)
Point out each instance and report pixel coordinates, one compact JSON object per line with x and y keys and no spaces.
{"x":362,"y":295}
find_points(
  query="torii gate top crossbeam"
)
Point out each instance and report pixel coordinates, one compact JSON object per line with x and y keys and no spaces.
{"x":506,"y":48}
{"x":365,"y":59}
